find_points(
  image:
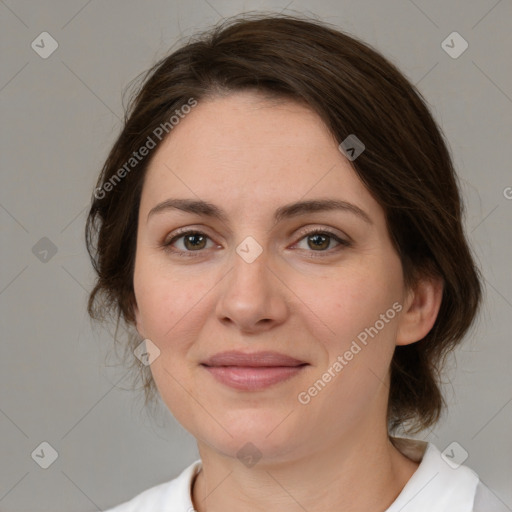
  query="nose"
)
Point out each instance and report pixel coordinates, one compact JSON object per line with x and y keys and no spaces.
{"x":252,"y":296}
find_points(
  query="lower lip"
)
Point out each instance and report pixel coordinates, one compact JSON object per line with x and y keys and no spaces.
{"x":253,"y":378}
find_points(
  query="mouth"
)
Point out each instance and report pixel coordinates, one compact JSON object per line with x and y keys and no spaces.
{"x":252,"y":372}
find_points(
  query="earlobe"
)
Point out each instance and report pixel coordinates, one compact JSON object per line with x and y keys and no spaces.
{"x":420,"y":310}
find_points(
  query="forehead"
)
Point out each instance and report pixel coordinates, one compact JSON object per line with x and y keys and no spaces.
{"x":242,"y":149}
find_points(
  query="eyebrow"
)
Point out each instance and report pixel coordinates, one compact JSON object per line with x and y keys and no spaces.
{"x":287,"y":211}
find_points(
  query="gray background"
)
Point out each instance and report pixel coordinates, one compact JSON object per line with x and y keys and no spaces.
{"x":59,"y":117}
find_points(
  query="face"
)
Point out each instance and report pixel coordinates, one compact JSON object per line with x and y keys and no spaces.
{"x":321,"y":285}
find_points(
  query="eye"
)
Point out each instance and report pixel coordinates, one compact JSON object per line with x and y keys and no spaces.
{"x":187,"y":242}
{"x":320,"y":240}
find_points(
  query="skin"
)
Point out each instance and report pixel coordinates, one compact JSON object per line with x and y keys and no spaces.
{"x":249,"y":155}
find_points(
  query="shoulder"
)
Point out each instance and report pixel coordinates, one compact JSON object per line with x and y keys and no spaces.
{"x":440,"y":483}
{"x":175,"y":492}
{"x":487,"y":501}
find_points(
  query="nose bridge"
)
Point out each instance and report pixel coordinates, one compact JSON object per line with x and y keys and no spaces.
{"x":250,"y":268}
{"x":249,"y":265}
{"x":251,"y":292}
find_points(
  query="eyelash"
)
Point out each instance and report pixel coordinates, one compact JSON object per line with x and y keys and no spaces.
{"x":167,"y":246}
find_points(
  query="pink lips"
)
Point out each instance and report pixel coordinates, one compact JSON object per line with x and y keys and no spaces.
{"x":252,"y":372}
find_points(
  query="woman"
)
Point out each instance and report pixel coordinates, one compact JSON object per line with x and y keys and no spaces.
{"x":279,"y":220}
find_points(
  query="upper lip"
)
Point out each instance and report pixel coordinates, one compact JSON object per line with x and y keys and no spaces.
{"x":255,"y":359}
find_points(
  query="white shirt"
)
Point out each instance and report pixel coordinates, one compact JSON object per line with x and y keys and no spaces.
{"x":435,"y":486}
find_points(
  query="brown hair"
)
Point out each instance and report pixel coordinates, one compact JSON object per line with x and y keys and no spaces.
{"x":406,"y":166}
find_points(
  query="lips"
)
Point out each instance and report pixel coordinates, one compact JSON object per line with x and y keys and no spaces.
{"x":257,"y":359}
{"x":252,"y":372}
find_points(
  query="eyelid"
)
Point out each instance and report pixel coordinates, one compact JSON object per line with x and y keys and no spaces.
{"x":177,"y":233}
{"x":323,"y":229}
{"x":168,"y":240}
{"x":343,"y":242}
{"x":342,"y":239}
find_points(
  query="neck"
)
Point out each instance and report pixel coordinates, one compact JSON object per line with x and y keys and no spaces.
{"x":354,"y":476}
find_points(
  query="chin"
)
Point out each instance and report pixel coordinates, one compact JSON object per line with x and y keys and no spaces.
{"x":267,"y":438}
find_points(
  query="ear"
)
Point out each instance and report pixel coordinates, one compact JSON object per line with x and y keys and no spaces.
{"x":420,"y":310}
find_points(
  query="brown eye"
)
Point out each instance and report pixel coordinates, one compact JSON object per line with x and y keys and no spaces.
{"x":194,"y":241}
{"x":188,"y":242}
{"x":319,"y":241}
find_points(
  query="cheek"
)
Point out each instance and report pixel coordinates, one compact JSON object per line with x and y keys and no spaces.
{"x":169,"y":307}
{"x":361,"y":307}
{"x":361,"y":310}
{"x":165,"y":300}
{"x":352,"y":300}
